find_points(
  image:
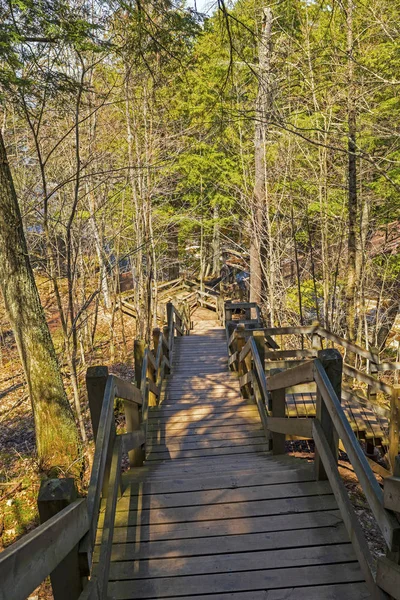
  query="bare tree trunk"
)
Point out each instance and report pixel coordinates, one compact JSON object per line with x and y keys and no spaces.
{"x":216,"y":243}
{"x":56,"y":433}
{"x":361,"y":264}
{"x":352,"y":183}
{"x":138,"y":217}
{"x":263,"y":106}
{"x":388,"y":323}
{"x":173,"y":251}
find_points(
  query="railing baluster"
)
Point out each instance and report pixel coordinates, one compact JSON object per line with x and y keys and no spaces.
{"x":278,"y":409}
{"x":332,"y":362}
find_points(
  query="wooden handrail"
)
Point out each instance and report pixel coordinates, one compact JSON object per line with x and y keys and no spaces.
{"x":329,"y":425}
{"x":388,"y":524}
{"x":25,"y":564}
{"x":371,"y":381}
{"x":316,"y":331}
{"x":348,"y":514}
{"x":333,"y":337}
{"x":104,"y":444}
{"x":324,"y":333}
{"x":301,"y":330}
{"x":303,"y":373}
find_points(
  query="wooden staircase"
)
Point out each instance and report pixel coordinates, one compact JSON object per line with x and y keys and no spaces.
{"x":218,"y":510}
{"x":213,"y":515}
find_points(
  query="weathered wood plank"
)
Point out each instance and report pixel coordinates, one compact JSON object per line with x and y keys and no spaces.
{"x":298,"y":427}
{"x":279,"y":354}
{"x":241,"y":429}
{"x":223,"y":496}
{"x":303,"y":373}
{"x":347,"y":591}
{"x":391,"y":494}
{"x":25,"y":564}
{"x":182,"y":454}
{"x":301,"y":330}
{"x":132,"y":440}
{"x":108,"y":522}
{"x":228,"y":527}
{"x":207,"y":422}
{"x":388,"y":577}
{"x":236,"y":510}
{"x":373,"y":383}
{"x":238,"y":479}
{"x":236,"y":563}
{"x":162,"y":471}
{"x":251,"y":542}
{"x":203,"y":443}
{"x":126,"y":390}
{"x":212,"y":409}
{"x":236,"y":582}
{"x":350,"y":519}
{"x":389,"y":526}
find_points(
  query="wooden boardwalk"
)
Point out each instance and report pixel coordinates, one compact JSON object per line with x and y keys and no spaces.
{"x":365,"y":421}
{"x":213,"y":515}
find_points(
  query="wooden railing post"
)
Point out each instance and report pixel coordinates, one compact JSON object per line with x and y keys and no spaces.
{"x":332,"y":362}
{"x":394,"y":426}
{"x":388,"y":568}
{"x":96,"y":381}
{"x":138,"y":354}
{"x":178,"y":319}
{"x":228,"y":313}
{"x":156,"y":339}
{"x":316,"y":338}
{"x":133,"y":421}
{"x":278,"y":409}
{"x":167,"y":352}
{"x":170,"y":314}
{"x":373,"y":370}
{"x":66,"y":579}
{"x":259,"y":339}
{"x":240,"y":343}
{"x":151,"y":376}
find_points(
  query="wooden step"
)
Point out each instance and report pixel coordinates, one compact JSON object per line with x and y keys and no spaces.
{"x":252,"y":542}
{"x":229,"y":496}
{"x":182,"y":454}
{"x":201,"y":411}
{"x":162,"y":438}
{"x":202,"y":431}
{"x":237,"y":479}
{"x":330,"y":589}
{"x":227,"y":527}
{"x":236,"y":510}
{"x":237,"y":563}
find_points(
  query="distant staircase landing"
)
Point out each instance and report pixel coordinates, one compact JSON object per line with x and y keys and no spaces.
{"x":213,"y":515}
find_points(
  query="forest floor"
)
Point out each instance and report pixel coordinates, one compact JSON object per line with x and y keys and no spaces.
{"x":19,"y":474}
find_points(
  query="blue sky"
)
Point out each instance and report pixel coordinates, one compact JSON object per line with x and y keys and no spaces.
{"x":203,"y":5}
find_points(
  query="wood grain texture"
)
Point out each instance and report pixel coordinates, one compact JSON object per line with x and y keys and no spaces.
{"x":213,"y":514}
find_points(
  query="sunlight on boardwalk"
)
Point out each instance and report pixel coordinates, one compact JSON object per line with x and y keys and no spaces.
{"x":213,"y":515}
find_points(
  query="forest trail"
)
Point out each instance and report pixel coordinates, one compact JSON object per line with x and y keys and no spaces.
{"x":212,"y":514}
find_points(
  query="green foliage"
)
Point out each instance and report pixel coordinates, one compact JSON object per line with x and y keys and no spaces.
{"x":307,"y":295}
